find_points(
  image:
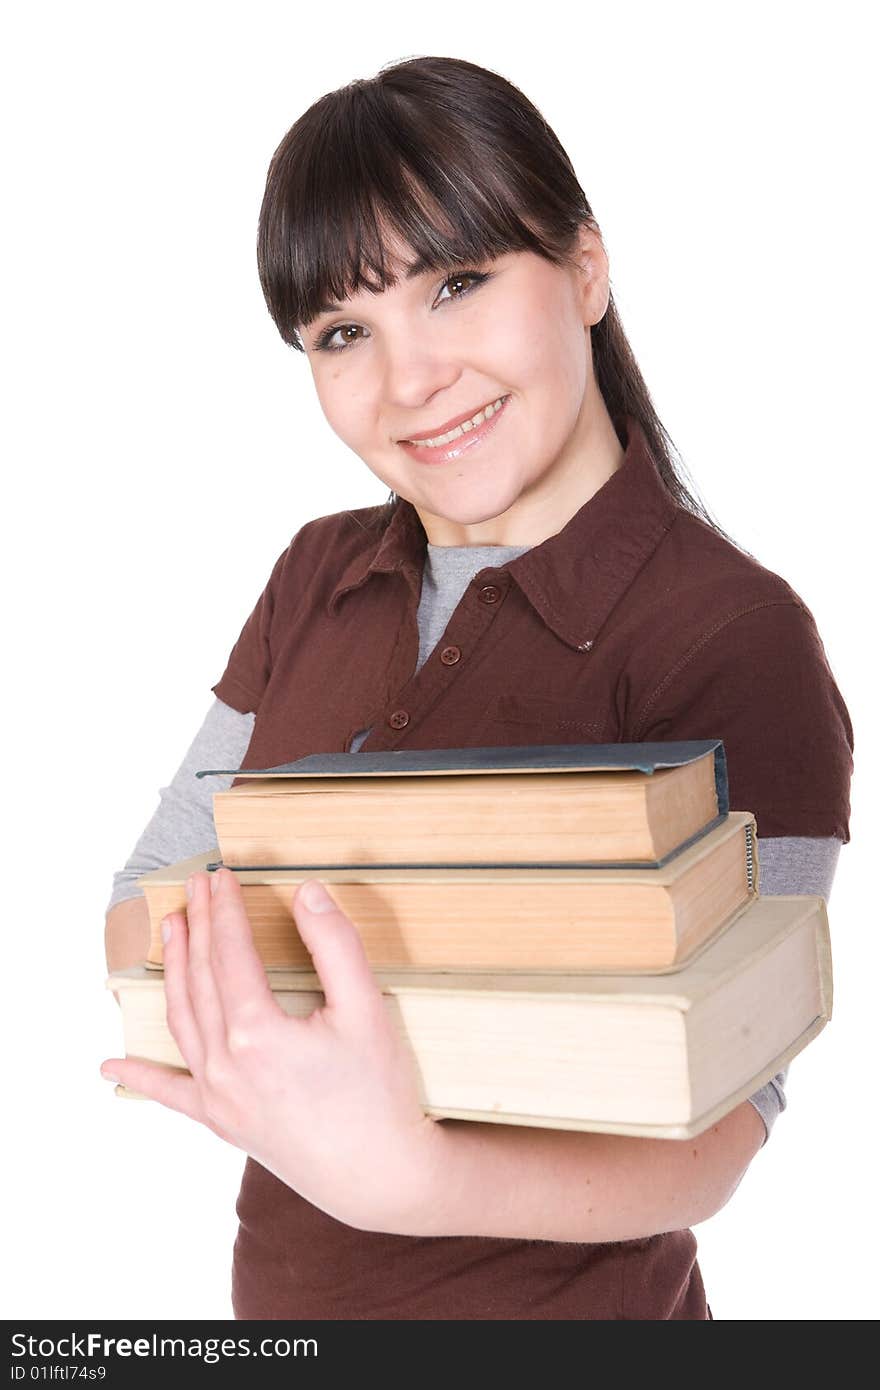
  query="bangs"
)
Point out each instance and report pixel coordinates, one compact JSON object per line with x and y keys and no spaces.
{"x":365,"y":167}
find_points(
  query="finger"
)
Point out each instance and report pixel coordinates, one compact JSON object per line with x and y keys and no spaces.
{"x":241,"y":977}
{"x":179,"y":1014}
{"x":335,"y":945}
{"x":200,"y":981}
{"x":169,"y":1086}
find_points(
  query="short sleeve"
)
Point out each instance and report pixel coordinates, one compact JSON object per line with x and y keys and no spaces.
{"x":760,"y":681}
{"x":249,"y":667}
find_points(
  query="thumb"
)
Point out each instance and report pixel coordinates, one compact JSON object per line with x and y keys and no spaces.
{"x":336,"y":948}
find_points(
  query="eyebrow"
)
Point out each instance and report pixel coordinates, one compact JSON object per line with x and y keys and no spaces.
{"x":418,"y":267}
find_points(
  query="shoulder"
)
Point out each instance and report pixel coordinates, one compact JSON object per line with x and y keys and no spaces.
{"x":717,"y":613}
{"x":322,"y":553}
{"x":701,"y":600}
{"x":303,"y":578}
{"x":699,"y":564}
{"x":336,"y":539}
{"x":361,"y":525}
{"x":725,"y":648}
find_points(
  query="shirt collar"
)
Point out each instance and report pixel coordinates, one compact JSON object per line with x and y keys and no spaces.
{"x":573,"y":579}
{"x":402,"y":546}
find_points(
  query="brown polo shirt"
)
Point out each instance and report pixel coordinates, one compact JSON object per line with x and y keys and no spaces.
{"x":634,"y":622}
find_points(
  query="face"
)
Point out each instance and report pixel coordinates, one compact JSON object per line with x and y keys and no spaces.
{"x":432,"y":349}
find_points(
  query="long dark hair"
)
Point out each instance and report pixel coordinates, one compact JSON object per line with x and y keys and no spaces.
{"x":458,"y":162}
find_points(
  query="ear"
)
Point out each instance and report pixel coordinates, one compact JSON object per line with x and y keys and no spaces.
{"x":592,"y":278}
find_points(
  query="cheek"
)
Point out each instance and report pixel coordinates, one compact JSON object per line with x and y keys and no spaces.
{"x":505,"y":349}
{"x":344,"y":410}
{"x":561,"y":377}
{"x":538,"y":351}
{"x":551,"y":374}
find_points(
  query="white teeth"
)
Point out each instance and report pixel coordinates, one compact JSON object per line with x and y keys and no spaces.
{"x":471,"y":424}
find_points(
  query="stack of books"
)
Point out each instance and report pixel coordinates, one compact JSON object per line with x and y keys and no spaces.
{"x":566,"y":936}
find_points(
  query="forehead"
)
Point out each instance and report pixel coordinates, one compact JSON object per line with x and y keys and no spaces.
{"x":407,"y":270}
{"x":401,"y":264}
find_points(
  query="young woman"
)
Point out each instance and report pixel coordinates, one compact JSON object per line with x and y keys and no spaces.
{"x":540,"y":574}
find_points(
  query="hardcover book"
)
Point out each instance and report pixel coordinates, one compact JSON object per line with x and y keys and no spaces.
{"x":652,"y":1055}
{"x":569,"y":805}
{"x":503,"y":918}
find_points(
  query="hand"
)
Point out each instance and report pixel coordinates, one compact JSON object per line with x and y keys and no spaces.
{"x":329,"y":1103}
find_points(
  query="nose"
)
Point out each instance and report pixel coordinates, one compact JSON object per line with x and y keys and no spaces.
{"x":414,"y":373}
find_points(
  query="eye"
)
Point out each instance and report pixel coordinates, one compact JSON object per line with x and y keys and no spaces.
{"x":459,"y":277}
{"x":324,"y":342}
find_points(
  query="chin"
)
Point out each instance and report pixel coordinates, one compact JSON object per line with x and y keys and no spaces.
{"x":460,"y":516}
{"x":461,"y":512}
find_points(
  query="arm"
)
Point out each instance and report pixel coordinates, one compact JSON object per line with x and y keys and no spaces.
{"x":791,"y":864}
{"x":183,"y":825}
{"x":458,"y":1177}
{"x":789,"y":762}
{"x":483,"y":1179}
{"x":127,"y":933}
{"x":565,"y":1186}
{"x":369,"y":1156}
{"x":540,"y":1184}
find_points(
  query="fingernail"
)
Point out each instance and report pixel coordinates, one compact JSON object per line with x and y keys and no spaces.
{"x":189,"y":887}
{"x":316,"y":897}
{"x":215,"y":879}
{"x":166,"y":930}
{"x":108,"y":1076}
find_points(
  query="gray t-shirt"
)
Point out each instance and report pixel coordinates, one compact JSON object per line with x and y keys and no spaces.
{"x":183,"y":824}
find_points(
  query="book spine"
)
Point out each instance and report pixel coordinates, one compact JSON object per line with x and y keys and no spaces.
{"x":722,"y":785}
{"x":751,"y":858}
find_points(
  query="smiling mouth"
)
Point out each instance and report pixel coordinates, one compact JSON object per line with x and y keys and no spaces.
{"x":465,"y":426}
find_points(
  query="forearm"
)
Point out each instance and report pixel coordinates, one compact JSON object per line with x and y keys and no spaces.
{"x":127,"y":933}
{"x":538,"y":1184}
{"x":559,"y":1185}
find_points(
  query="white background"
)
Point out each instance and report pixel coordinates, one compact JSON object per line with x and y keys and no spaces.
{"x":163,"y":446}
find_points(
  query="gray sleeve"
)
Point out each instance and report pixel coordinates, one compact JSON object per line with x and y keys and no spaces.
{"x":183,"y":823}
{"x":798,"y":865}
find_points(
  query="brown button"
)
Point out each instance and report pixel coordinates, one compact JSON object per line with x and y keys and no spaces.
{"x":450,"y":655}
{"x":490,"y":593}
{"x":399,"y":719}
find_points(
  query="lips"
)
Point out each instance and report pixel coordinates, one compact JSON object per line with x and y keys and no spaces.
{"x":462,"y":445}
{"x":450,"y":424}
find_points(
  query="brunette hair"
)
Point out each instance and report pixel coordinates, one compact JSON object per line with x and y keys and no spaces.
{"x":463,"y":167}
